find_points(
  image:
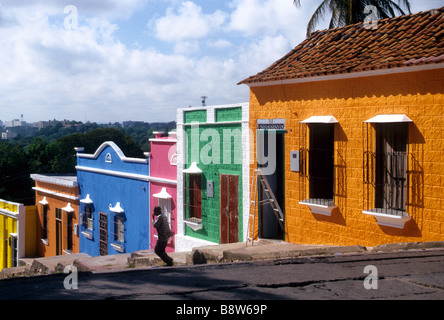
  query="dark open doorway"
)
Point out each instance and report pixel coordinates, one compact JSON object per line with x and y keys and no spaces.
{"x":269,"y":227}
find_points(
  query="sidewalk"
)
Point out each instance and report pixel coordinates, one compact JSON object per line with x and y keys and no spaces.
{"x":41,"y":266}
{"x":239,"y":252}
{"x":224,"y":253}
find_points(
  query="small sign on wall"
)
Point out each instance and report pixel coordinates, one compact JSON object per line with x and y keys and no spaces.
{"x":294,"y":161}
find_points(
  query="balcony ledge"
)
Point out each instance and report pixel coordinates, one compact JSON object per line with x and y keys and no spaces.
{"x":87,"y":234}
{"x":118,"y":247}
{"x":389,"y":220}
{"x":317,"y":208}
{"x":194,"y":223}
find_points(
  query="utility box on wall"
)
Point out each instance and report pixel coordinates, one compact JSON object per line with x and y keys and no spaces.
{"x":210,"y":189}
{"x":294,"y":161}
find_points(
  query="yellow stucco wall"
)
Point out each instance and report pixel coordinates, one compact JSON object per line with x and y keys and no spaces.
{"x":8,"y":225}
{"x":419,"y":95}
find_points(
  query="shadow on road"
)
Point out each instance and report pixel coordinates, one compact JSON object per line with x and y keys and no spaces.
{"x":152,"y":284}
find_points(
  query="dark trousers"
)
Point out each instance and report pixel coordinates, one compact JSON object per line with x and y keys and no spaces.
{"x":159,"y":249}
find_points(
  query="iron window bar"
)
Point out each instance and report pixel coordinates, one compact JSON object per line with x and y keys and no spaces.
{"x":385,"y":174}
{"x":306,"y":177}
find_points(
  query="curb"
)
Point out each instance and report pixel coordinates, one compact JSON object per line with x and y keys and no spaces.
{"x":228,"y":253}
{"x":408,"y":246}
{"x":241,"y":255}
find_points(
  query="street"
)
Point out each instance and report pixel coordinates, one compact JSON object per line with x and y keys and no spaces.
{"x":412,"y":275}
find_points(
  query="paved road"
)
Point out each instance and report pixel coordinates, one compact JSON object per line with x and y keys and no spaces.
{"x":404,"y":275}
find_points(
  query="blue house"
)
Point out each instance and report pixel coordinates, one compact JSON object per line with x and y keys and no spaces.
{"x":114,"y":201}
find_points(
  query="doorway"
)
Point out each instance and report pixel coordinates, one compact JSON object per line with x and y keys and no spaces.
{"x":59,"y":238}
{"x":269,"y":227}
{"x":229,"y":208}
{"x":14,"y":249}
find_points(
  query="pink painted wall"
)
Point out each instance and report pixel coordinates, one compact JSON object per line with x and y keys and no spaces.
{"x":163,"y":154}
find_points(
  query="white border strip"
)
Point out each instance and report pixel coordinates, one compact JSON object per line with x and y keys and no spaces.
{"x":56,"y":179}
{"x":116,"y":149}
{"x":133,"y":176}
{"x":53,"y":193}
{"x":10,"y":214}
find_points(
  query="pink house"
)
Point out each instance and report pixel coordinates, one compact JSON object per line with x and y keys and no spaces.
{"x":163,"y":181}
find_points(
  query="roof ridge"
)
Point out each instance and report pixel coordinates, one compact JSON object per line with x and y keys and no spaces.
{"x":401,"y":41}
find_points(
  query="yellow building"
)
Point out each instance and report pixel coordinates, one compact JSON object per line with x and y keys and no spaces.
{"x":353,"y":121}
{"x":12,"y":233}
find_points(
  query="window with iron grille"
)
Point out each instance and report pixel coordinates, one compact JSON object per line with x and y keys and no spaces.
{"x":87,"y":218}
{"x":385,"y":168}
{"x":119,"y":228}
{"x":193,"y":197}
{"x":317,"y":164}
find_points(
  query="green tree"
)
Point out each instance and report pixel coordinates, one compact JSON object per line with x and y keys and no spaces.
{"x":52,"y":152}
{"x":15,"y":184}
{"x":58,"y":157}
{"x":93,"y":139}
{"x":34,"y":151}
{"x":346,"y":12}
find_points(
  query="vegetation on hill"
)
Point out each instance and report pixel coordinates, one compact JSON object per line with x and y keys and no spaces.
{"x":51,"y":151}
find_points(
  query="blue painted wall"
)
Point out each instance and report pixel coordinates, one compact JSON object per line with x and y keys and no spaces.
{"x":109,"y":177}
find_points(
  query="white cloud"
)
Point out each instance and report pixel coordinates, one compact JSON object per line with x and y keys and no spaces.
{"x":98,"y":8}
{"x":261,"y":54}
{"x":186,"y":47}
{"x":220,"y":44}
{"x":267,"y":18}
{"x":188,"y":23}
{"x":51,"y":72}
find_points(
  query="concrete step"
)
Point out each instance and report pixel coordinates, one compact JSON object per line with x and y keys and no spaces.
{"x":215,"y":253}
{"x":102,"y":263}
{"x":285,"y":250}
{"x":147,"y":258}
{"x":49,"y":265}
{"x":19,"y":271}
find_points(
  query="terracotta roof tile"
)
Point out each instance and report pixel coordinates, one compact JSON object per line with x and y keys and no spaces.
{"x":398,"y":42}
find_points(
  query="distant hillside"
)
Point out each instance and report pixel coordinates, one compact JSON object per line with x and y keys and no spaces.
{"x":139,"y":131}
{"x":51,"y":151}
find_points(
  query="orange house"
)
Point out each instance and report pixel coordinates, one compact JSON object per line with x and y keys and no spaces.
{"x":353,"y":121}
{"x":57,"y":202}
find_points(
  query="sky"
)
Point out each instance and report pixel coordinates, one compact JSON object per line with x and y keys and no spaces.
{"x":118,"y":60}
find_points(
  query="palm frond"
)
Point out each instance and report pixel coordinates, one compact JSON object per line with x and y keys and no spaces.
{"x":345,"y":12}
{"x":318,"y":16}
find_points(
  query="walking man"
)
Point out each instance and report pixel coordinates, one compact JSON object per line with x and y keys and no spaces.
{"x":160,"y":222}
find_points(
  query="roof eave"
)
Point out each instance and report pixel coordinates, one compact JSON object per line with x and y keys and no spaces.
{"x":341,"y":76}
